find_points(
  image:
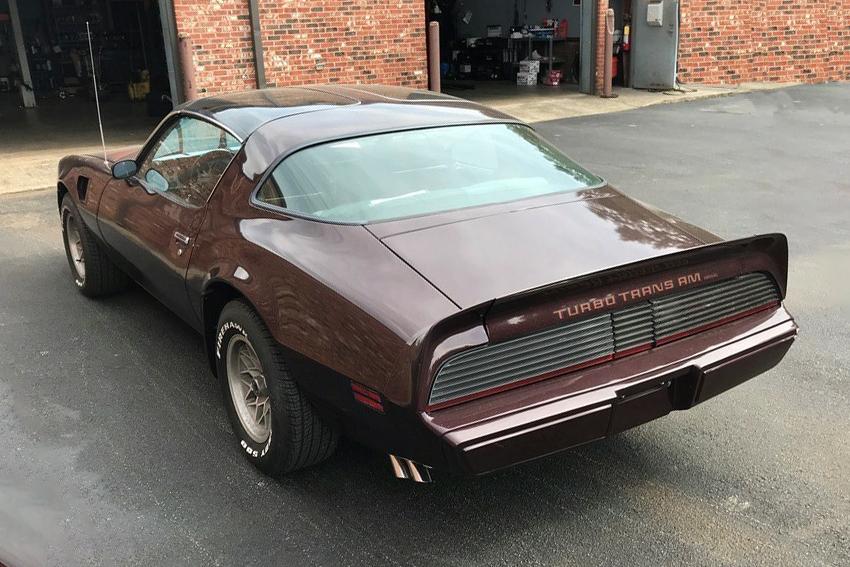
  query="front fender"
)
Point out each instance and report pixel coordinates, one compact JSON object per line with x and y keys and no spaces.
{"x":83,"y":178}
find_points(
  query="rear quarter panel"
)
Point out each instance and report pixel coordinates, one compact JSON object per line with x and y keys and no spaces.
{"x":331,"y":293}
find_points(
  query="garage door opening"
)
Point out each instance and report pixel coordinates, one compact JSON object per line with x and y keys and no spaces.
{"x":509,"y":47}
{"x":46,"y":92}
{"x":504,"y":52}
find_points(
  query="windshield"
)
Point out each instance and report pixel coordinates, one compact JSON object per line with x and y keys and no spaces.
{"x":401,"y":174}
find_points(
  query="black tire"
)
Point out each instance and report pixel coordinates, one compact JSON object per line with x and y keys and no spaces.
{"x":101,"y":276}
{"x":297,"y":437}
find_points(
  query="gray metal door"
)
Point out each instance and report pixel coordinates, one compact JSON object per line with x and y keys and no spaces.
{"x":656,"y":43}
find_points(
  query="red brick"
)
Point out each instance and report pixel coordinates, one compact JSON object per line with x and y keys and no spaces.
{"x":764,"y":40}
{"x":352,"y":41}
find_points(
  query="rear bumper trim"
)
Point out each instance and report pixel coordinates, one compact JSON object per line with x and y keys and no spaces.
{"x":506,"y":440}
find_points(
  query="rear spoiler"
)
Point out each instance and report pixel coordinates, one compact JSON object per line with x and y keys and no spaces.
{"x":541,"y":307}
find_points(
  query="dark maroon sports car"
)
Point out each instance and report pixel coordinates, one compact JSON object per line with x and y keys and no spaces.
{"x":420,"y":273}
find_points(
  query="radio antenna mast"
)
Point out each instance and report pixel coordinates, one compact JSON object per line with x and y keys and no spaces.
{"x":96,"y":98}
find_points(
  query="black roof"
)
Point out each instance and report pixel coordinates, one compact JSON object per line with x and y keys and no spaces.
{"x":244,"y":112}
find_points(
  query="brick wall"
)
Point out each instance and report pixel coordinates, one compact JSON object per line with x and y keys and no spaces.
{"x":383,"y":41}
{"x":316,"y":41}
{"x":764,"y":40}
{"x":220,"y":32}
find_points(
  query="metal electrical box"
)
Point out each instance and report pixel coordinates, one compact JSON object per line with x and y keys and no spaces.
{"x":655,"y":44}
{"x":655,"y":14}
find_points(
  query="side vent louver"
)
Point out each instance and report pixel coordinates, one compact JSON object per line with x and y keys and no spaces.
{"x":82,"y":187}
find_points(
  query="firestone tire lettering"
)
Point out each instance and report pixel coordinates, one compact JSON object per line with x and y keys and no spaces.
{"x":223,"y":331}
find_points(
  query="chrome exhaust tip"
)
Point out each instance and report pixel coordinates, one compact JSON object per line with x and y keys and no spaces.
{"x":410,"y":470}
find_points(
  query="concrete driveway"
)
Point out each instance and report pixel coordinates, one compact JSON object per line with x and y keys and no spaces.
{"x":32,"y":141}
{"x":115,"y":448}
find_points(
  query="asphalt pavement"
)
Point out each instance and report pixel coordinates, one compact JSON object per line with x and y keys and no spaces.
{"x":115,"y":447}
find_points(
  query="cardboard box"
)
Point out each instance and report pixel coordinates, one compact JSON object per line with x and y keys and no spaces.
{"x":529,"y":66}
{"x":526,"y":79}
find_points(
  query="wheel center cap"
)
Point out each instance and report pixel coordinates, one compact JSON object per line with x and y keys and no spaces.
{"x":258,"y":388}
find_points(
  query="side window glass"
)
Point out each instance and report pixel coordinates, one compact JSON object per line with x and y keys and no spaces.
{"x":270,"y":193}
{"x":187,"y":161}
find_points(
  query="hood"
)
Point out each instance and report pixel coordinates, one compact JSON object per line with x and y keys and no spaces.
{"x":117,"y":154}
{"x":127,"y":152}
{"x":478,"y":259}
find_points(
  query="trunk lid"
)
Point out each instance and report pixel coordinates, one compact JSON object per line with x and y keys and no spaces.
{"x":477,"y":259}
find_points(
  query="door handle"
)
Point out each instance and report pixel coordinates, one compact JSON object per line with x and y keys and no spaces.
{"x":181,"y":238}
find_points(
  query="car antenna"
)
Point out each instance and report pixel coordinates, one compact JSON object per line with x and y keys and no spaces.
{"x":96,"y":99}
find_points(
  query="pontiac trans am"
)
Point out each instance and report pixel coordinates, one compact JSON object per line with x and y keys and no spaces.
{"x":423,"y":274}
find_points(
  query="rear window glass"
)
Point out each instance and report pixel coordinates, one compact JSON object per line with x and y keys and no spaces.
{"x":402,"y":174}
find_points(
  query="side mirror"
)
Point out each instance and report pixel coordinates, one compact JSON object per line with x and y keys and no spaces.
{"x":124,"y":169}
{"x":156,"y":181}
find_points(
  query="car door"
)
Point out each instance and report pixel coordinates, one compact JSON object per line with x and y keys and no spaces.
{"x":151,"y":219}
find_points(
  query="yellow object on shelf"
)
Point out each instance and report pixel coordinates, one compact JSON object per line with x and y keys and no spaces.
{"x":138,"y":91}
